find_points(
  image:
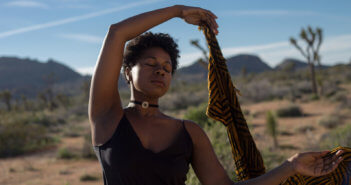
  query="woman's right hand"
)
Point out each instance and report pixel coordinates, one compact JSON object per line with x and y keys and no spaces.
{"x":195,"y":16}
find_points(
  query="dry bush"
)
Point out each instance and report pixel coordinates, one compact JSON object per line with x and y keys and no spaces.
{"x":290,"y":111}
{"x":330,"y":121}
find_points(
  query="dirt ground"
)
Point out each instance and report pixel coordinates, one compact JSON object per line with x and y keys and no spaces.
{"x":44,"y":167}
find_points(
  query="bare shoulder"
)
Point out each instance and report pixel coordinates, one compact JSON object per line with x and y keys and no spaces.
{"x":197,"y":134}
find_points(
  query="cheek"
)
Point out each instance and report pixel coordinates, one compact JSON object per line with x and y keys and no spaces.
{"x":139,"y":76}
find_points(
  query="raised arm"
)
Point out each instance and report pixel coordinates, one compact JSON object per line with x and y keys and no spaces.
{"x":104,"y":97}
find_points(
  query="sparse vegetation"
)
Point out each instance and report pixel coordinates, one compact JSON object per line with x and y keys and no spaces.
{"x":340,"y":136}
{"x":330,"y":121}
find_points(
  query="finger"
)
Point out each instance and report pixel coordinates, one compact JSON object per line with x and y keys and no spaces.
{"x":212,"y":14}
{"x":213,"y":24}
{"x":332,"y":166}
{"x":334,"y":157}
{"x":323,"y":153}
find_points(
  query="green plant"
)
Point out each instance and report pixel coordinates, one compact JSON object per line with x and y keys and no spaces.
{"x":198,"y":115}
{"x":64,"y":153}
{"x":87,"y":150}
{"x":340,"y":136}
{"x":17,"y":138}
{"x":271,"y":126}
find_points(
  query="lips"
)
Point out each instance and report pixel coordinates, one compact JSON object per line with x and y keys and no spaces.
{"x":158,"y":82}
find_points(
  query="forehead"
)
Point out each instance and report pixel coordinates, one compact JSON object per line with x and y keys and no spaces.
{"x":156,"y":53}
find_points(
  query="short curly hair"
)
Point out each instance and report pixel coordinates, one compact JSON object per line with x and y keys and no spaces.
{"x":136,"y":46}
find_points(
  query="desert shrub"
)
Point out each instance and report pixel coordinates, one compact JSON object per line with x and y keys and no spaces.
{"x":87,"y":177}
{"x":272,"y":159}
{"x":330,"y":121}
{"x":346,"y":104}
{"x":340,"y":136}
{"x":65,"y":153}
{"x":87,"y":150}
{"x":198,"y":115}
{"x":289,"y":111}
{"x":339,"y":96}
{"x":72,"y":131}
{"x":18,"y":138}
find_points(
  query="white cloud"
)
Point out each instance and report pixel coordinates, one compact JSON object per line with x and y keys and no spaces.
{"x":83,"y":37}
{"x":86,"y":70}
{"x":333,"y":49}
{"x":73,"y":19}
{"x":26,"y":4}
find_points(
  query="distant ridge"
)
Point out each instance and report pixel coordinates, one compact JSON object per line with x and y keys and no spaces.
{"x":294,"y":64}
{"x":236,"y":64}
{"x":29,"y":76}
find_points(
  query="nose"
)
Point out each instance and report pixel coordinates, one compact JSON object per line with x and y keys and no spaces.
{"x":160,"y":71}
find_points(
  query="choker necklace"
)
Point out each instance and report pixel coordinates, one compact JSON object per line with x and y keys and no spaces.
{"x":144,"y":104}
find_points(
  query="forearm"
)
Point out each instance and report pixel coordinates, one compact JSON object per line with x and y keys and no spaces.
{"x":275,"y":176}
{"x":134,"y":26}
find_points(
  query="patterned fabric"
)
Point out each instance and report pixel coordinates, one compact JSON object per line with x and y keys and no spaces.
{"x":223,"y":106}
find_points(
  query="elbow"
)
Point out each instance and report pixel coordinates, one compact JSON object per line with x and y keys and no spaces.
{"x":116,"y":31}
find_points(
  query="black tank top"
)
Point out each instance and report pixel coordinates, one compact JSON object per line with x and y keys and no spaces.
{"x":125,"y":161}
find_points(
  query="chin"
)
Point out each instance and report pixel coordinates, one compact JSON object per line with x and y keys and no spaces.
{"x":155,"y":93}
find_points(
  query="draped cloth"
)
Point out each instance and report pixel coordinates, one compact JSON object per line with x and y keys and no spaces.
{"x":223,"y":106}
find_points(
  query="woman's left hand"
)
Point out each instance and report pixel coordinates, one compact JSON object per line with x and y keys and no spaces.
{"x":196,"y":15}
{"x":315,"y":163}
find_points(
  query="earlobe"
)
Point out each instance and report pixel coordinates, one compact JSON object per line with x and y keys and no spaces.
{"x":127,"y":75}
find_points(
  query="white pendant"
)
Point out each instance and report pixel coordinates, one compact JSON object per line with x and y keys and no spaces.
{"x":145,"y":104}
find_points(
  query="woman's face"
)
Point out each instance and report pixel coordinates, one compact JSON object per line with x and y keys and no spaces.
{"x":152,"y":73}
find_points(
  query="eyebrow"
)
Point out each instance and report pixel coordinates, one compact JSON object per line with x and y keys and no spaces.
{"x":152,"y":57}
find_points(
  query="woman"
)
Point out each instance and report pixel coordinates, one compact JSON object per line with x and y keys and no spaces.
{"x":141,"y":145}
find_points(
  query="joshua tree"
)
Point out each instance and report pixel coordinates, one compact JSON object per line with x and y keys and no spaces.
{"x":203,"y":60}
{"x":314,"y":39}
{"x":271,"y":125}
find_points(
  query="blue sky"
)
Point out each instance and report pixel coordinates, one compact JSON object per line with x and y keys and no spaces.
{"x":72,"y":31}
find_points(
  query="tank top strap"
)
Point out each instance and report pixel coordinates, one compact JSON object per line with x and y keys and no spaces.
{"x":183,"y":124}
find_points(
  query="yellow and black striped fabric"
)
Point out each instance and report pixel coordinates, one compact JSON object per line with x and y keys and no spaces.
{"x":223,"y":106}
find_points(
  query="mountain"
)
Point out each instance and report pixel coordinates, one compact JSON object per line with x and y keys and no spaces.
{"x":236,"y":64}
{"x":292,"y":63}
{"x":28,"y":76}
{"x":295,"y":64}
{"x":251,"y":63}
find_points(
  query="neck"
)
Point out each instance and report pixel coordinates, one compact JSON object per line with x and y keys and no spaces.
{"x":142,"y":112}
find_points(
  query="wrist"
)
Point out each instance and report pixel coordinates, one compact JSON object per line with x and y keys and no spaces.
{"x":289,"y":167}
{"x":178,"y":10}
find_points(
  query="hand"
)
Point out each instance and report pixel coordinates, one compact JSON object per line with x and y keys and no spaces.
{"x":195,"y":16}
{"x":315,"y":163}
